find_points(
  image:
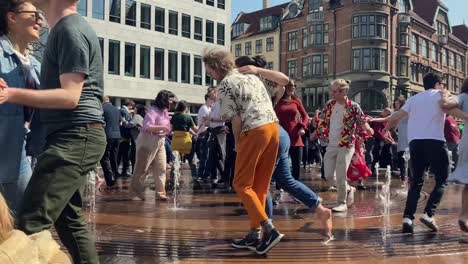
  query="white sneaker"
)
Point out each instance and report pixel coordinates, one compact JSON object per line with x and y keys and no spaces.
{"x":429,"y":222}
{"x":350,"y":196}
{"x":342,"y":207}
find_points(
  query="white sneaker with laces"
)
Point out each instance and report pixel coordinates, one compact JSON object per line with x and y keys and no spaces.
{"x":342,"y":207}
{"x":350,"y":196}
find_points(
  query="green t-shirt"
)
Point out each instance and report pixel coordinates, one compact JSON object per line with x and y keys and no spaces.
{"x":181,"y":122}
{"x":73,"y":47}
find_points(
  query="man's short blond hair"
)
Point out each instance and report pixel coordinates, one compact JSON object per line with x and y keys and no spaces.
{"x":219,"y":60}
{"x":341,"y":84}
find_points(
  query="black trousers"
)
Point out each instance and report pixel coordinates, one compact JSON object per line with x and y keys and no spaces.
{"x":296,"y":158}
{"x":109,"y":161}
{"x":323,"y":149}
{"x":124,"y":155}
{"x":424,"y":153}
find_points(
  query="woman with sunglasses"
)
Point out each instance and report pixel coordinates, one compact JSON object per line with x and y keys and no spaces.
{"x":20,"y":23}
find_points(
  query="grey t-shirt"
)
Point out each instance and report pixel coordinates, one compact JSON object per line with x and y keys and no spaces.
{"x":463,"y":105}
{"x":73,"y":47}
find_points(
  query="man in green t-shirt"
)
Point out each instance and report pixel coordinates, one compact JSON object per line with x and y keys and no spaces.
{"x":70,"y":99}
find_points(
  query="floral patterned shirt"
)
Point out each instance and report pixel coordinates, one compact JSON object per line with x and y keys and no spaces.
{"x":248,"y":96}
{"x":353,"y":115}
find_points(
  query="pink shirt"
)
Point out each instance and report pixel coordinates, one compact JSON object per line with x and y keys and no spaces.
{"x":156,"y":117}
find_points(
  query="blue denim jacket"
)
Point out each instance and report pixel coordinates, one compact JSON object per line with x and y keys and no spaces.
{"x":12,"y":131}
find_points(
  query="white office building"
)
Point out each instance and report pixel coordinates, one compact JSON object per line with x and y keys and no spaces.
{"x":151,"y":45}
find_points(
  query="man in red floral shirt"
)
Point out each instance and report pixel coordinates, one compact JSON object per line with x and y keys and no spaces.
{"x":339,"y":120}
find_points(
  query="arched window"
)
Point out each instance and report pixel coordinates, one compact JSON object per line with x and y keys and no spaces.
{"x":370,"y":100}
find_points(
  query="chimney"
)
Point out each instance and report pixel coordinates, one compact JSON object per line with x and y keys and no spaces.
{"x":266,"y":4}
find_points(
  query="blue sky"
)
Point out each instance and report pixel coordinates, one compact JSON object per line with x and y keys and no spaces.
{"x":457,"y":8}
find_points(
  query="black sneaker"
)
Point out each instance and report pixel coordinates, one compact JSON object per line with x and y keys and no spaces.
{"x":407,"y":226}
{"x":269,"y":240}
{"x":246,"y":242}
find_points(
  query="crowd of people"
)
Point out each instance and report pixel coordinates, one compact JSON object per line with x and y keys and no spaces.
{"x":253,"y":130}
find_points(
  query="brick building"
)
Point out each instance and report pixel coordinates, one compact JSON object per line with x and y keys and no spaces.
{"x":383,"y":46}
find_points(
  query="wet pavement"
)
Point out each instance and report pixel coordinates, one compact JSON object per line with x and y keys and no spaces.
{"x":202,"y":229}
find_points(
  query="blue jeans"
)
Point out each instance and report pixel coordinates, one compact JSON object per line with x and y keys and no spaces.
{"x":285,"y":180}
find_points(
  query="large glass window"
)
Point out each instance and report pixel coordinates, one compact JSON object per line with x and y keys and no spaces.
{"x":316,"y":65}
{"x":198,"y":34}
{"x":314,"y":5}
{"x":259,"y":46}
{"x":434,"y":52}
{"x":270,"y":44}
{"x":356,"y":59}
{"x":403,"y":66}
{"x":266,"y":23}
{"x":292,"y":41}
{"x":318,"y":34}
{"x":130,"y":12}
{"x":83,"y":7}
{"x":173,"y":67}
{"x":98,"y":9}
{"x":370,"y":26}
{"x":173,"y":23}
{"x":114,"y":11}
{"x":186,"y":26}
{"x":159,"y":64}
{"x":325,"y":65}
{"x":423,"y":47}
{"x":114,"y":57}
{"x":145,"y":61}
{"x":305,"y":38}
{"x":130,"y":57}
{"x":197,"y":70}
{"x":210,"y":2}
{"x":248,"y":48}
{"x":238,"y":50}
{"x":403,"y":36}
{"x":451,"y":59}
{"x":160,"y":23}
{"x":209,"y":31}
{"x":414,"y":44}
{"x":208,"y":80}
{"x":145,"y":16}
{"x":306,"y":67}
{"x":370,"y":59}
{"x":292,"y":69}
{"x":221,"y":4}
{"x":185,"y":78}
{"x":444,"y":57}
{"x":221,"y":34}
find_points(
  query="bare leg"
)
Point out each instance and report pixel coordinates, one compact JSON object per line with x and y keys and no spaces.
{"x":325,"y":217}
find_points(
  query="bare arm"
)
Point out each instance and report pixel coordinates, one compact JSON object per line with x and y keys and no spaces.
{"x":381,"y":119}
{"x":236,"y":128}
{"x":66,"y":97}
{"x":447,"y":103}
{"x":274,"y":76}
{"x":458,"y":113}
{"x":278,"y":95}
{"x":395,"y":119}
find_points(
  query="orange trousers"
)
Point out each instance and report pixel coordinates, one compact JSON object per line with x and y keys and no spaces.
{"x":255,"y":162}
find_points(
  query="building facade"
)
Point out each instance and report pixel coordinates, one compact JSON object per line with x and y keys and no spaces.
{"x":383,"y":46}
{"x":151,"y":45}
{"x":258,"y":33}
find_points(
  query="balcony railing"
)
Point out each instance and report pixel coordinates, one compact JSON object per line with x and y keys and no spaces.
{"x":315,"y":17}
{"x":404,"y":18}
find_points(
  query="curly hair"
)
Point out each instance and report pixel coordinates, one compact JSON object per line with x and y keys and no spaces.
{"x":258,"y":61}
{"x":162,"y":99}
{"x":5,"y":7}
{"x":341,"y":84}
{"x":219,"y":60}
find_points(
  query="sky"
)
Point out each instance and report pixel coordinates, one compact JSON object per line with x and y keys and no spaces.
{"x":457,"y":8}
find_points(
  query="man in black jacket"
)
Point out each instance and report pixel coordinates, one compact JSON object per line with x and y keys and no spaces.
{"x":112,"y":128}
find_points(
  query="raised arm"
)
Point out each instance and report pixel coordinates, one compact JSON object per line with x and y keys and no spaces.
{"x":395,"y":119}
{"x":274,"y":76}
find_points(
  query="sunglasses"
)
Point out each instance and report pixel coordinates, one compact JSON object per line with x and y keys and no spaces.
{"x":38,"y":15}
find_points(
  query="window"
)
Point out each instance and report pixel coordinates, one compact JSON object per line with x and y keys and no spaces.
{"x":305,"y":38}
{"x":130,"y":56}
{"x":130,"y":12}
{"x":114,"y":11}
{"x":173,"y":71}
{"x":208,"y":80}
{"x":98,"y":9}
{"x":403,"y":35}
{"x":292,"y":69}
{"x":414,"y":44}
{"x":434,"y":52}
{"x":83,"y":7}
{"x":199,"y":1}
{"x":403,"y":66}
{"x":238,"y":50}
{"x":209,"y":31}
{"x":198,"y":34}
{"x":159,"y":64}
{"x":173,"y":23}
{"x":356,"y":59}
{"x":316,"y":65}
{"x":444,"y":56}
{"x":238,"y":29}
{"x":325,"y":65}
{"x":370,"y":26}
{"x":210,"y":2}
{"x":314,"y":5}
{"x":101,"y":46}
{"x":160,"y":18}
{"x":248,"y":48}
{"x":442,"y":29}
{"x":451,"y":59}
{"x":221,"y":4}
{"x":186,"y":24}
{"x":269,"y":65}
{"x":114,"y":57}
{"x":197,"y":70}
{"x":404,"y":6}
{"x":370,"y":59}
{"x":414,"y":73}
{"x":145,"y":16}
{"x":306,"y":67}
{"x":266,"y":23}
{"x":318,"y":34}
{"x":220,"y":34}
{"x":423,"y":47}
{"x":292,"y":41}
{"x":145,"y":62}
{"x":270,"y":44}
{"x":258,"y":46}
{"x":458,"y":62}
{"x":185,"y":78}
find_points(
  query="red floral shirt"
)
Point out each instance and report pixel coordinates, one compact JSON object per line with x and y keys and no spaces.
{"x":353,"y":115}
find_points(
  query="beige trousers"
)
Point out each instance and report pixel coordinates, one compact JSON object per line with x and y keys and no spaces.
{"x":150,"y":152}
{"x":336,"y":162}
